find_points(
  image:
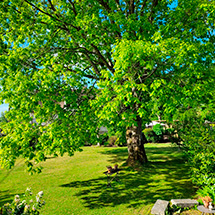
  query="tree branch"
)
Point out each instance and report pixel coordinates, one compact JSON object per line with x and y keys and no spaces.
{"x":77,"y":28}
{"x":151,"y":73}
{"x":87,"y":76}
{"x":105,"y":5}
{"x":52,"y":6}
{"x":154,"y":4}
{"x":73,"y":7}
{"x":102,"y":58}
{"x":73,"y":49}
{"x":142,"y":8}
{"x":131,"y":11}
{"x":39,"y":9}
{"x":93,"y":64}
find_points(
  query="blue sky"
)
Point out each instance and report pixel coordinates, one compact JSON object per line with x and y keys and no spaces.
{"x":3,"y":108}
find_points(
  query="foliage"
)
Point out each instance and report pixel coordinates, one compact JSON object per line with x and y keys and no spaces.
{"x":173,"y":136}
{"x":174,"y":209}
{"x":117,"y":135}
{"x":3,"y":118}
{"x":132,"y":56}
{"x":103,"y":138}
{"x":207,"y":190}
{"x":158,"y":129}
{"x":149,"y":134}
{"x":198,"y":142}
{"x":24,"y":205}
{"x":112,"y":140}
{"x":155,"y":134}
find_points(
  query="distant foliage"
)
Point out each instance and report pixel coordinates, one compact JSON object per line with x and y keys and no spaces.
{"x":103,"y":138}
{"x":158,"y":129}
{"x":3,"y":118}
{"x":117,"y":135}
{"x":155,"y":134}
{"x":112,"y":140}
{"x":149,"y":134}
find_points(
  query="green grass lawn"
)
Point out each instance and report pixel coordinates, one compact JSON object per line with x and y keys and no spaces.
{"x":76,"y":185}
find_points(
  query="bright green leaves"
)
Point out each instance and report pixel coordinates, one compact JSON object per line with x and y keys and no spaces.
{"x":149,"y":77}
{"x":123,"y":93}
{"x":55,"y":59}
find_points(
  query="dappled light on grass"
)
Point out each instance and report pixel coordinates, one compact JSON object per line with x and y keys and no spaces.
{"x":79,"y":186}
{"x":5,"y":197}
{"x":165,"y":177}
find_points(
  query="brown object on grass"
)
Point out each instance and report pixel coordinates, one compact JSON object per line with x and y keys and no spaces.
{"x":116,"y":166}
{"x":206,"y":201}
{"x":109,"y":169}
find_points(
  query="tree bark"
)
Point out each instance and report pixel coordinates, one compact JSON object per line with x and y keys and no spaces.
{"x":135,"y":142}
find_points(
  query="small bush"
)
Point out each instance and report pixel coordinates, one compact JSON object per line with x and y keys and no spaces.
{"x":155,"y":134}
{"x":207,"y":190}
{"x":149,"y":134}
{"x":158,"y":129}
{"x":103,"y":139}
{"x":117,"y":136}
{"x":24,"y":204}
{"x":112,"y":140}
{"x":173,"y":136}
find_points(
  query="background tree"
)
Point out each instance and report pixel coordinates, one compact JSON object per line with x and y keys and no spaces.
{"x":3,"y":118}
{"x":61,"y":51}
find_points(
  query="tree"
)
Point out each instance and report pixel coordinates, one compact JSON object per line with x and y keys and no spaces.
{"x":63,"y":51}
{"x":3,"y":118}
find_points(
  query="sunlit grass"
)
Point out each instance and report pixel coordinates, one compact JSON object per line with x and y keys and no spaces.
{"x":76,"y":185}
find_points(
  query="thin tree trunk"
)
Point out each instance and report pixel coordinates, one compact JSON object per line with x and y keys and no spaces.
{"x":135,"y":142}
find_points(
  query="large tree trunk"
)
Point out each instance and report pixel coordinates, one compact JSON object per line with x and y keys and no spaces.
{"x":135,"y":142}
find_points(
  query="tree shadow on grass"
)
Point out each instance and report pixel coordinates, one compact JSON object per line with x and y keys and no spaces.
{"x":153,"y":153}
{"x":166,"y":177}
{"x":5,"y":197}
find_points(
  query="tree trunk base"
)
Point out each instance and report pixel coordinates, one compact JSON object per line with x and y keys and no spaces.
{"x":131,"y":162}
{"x":135,"y":142}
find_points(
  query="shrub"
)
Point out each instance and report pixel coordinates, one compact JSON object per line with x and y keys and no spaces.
{"x":207,"y":190}
{"x":173,"y":136}
{"x":158,"y":129}
{"x":117,"y":136}
{"x":198,"y":142}
{"x":155,"y":134}
{"x":103,"y":139}
{"x":24,"y":204}
{"x":112,"y":140}
{"x":150,"y":135}
{"x":200,"y":151}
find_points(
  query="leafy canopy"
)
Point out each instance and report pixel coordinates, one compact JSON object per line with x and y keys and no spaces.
{"x":56,"y":54}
